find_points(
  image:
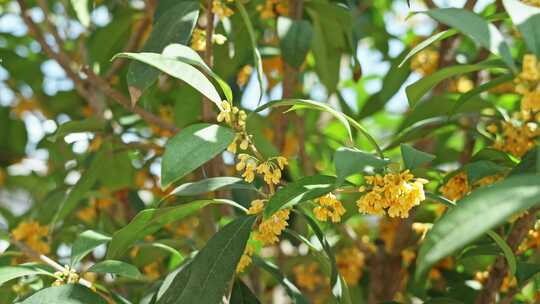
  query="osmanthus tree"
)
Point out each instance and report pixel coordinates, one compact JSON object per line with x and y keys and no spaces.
{"x":232,"y":151}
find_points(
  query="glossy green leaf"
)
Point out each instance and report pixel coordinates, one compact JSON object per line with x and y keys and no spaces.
{"x":191,"y":148}
{"x":188,"y":55}
{"x":413,"y":158}
{"x":173,"y":23}
{"x":65,"y":294}
{"x":480,"y":250}
{"x":174,"y":284}
{"x":8,"y":273}
{"x":212,"y":184}
{"x":478,"y":29}
{"x":483,"y":168}
{"x":475,"y":214}
{"x":85,"y":243}
{"x":149,"y":221}
{"x":427,"y":42}
{"x":293,"y":291}
{"x":177,"y":69}
{"x":307,"y":188}
{"x":295,"y":40}
{"x":441,"y":199}
{"x":116,"y":267}
{"x":527,"y":19}
{"x":257,"y":60}
{"x":507,"y":251}
{"x":420,"y":88}
{"x":350,"y":161}
{"x":241,"y":294}
{"x":214,"y":266}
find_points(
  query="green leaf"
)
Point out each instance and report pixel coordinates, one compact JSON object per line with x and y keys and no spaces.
{"x":241,"y":294}
{"x":483,"y":168}
{"x":476,"y":250}
{"x":478,"y":29}
{"x":295,"y":40}
{"x":338,"y":285}
{"x":441,"y":199}
{"x":173,"y":23}
{"x":214,"y":266}
{"x":475,"y":214}
{"x":191,"y":148}
{"x":253,"y":39}
{"x":174,"y":284}
{"x":81,"y":10}
{"x":527,"y":19}
{"x":180,"y":70}
{"x":413,"y":158}
{"x":350,"y":161}
{"x":427,"y":42}
{"x":85,"y":243}
{"x":149,"y":221}
{"x":294,"y":293}
{"x":307,"y":188}
{"x":92,"y":124}
{"x":507,"y":251}
{"x":418,"y":89}
{"x":116,"y":267}
{"x":480,"y":89}
{"x":8,"y":273}
{"x":65,"y":294}
{"x":188,"y":55}
{"x":526,"y":271}
{"x":212,"y":184}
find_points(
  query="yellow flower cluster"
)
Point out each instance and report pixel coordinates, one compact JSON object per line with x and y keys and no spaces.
{"x":89,"y":213}
{"x":243,"y":75}
{"x":517,"y":137}
{"x":308,"y":276}
{"x":152,"y":270}
{"x":270,"y":169}
{"x":221,"y":10}
{"x":236,"y":119}
{"x":198,"y":39}
{"x":245,"y":259}
{"x":456,"y":187}
{"x":532,"y":240}
{"x":67,"y":276}
{"x":257,"y":206}
{"x":528,"y":84}
{"x":271,"y":7}
{"x":184,"y":229}
{"x":269,"y":230}
{"x":329,"y":207}
{"x":425,"y":62}
{"x":32,"y":234}
{"x":393,"y":193}
{"x":350,"y":262}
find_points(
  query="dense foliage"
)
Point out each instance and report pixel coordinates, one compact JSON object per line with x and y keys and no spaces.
{"x":269,"y":151}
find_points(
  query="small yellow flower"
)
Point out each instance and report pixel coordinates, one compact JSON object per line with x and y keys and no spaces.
{"x":249,"y":173}
{"x":32,"y":234}
{"x":269,"y":230}
{"x":492,"y":128}
{"x":350,"y":262}
{"x":243,"y":75}
{"x":518,"y":137}
{"x":221,"y":10}
{"x":87,"y":214}
{"x":308,"y":276}
{"x":198,"y":40}
{"x":282,"y":162}
{"x":394,"y":193}
{"x":329,"y":207}
{"x":152,"y":270}
{"x":257,"y":206}
{"x":425,"y":62}
{"x":245,"y":259}
{"x":456,"y":187}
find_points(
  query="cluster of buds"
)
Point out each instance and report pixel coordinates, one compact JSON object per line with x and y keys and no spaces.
{"x":198,"y":39}
{"x":329,"y":207}
{"x":270,"y":170}
{"x":66,"y":276}
{"x":426,"y":61}
{"x":221,"y":10}
{"x":272,"y":8}
{"x":236,"y":119}
{"x":519,"y":135}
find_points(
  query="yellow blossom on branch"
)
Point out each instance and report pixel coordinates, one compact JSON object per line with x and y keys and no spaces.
{"x":270,"y":230}
{"x":350,"y":262}
{"x":245,"y":259}
{"x":329,"y":207}
{"x":32,"y":234}
{"x":257,"y":206}
{"x":394,"y":194}
{"x":308,"y":276}
{"x":221,"y":10}
{"x":456,"y":187}
{"x":425,"y":62}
